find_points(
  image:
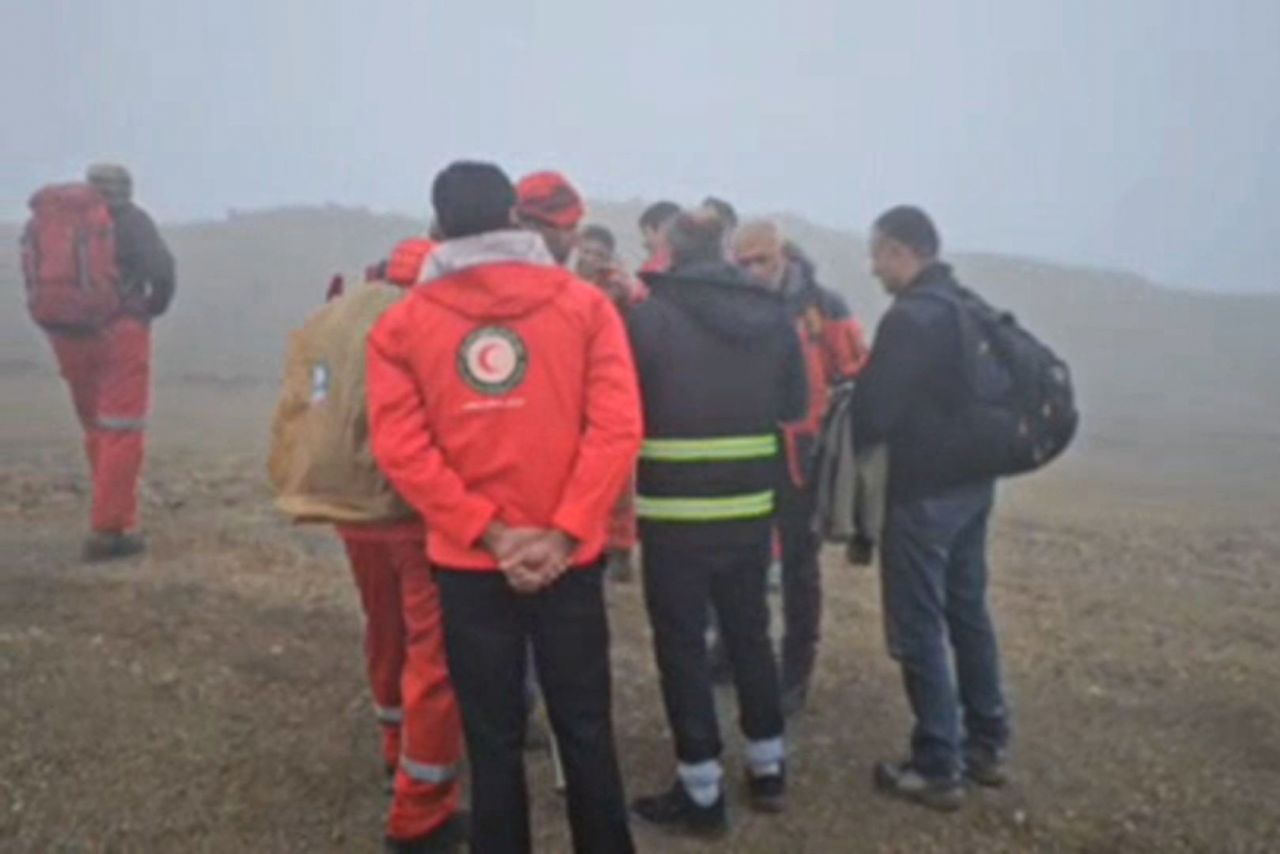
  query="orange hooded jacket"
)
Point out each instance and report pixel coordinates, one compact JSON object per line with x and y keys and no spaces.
{"x":503,"y":388}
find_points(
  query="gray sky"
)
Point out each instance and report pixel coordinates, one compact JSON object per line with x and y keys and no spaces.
{"x":1142,"y":134}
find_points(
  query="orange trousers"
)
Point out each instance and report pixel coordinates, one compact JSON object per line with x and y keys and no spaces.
{"x":109,"y":374}
{"x":404,"y":653}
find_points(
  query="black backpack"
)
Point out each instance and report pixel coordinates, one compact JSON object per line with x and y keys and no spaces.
{"x":1022,"y":412}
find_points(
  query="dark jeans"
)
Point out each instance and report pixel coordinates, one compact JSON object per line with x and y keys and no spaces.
{"x":679,"y":581}
{"x":935,"y":605}
{"x":488,"y":631}
{"x":801,"y":582}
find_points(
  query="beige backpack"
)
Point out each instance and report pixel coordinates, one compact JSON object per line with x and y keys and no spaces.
{"x":321,"y":465}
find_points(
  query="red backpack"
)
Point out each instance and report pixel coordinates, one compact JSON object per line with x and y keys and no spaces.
{"x":69,"y":259}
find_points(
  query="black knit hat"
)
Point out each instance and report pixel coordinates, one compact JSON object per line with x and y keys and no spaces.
{"x":472,"y":198}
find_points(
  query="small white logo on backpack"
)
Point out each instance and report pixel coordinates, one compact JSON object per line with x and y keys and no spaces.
{"x":319,"y":382}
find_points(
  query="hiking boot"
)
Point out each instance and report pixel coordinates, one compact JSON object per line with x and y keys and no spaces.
{"x":900,"y":780}
{"x":103,"y":546}
{"x":794,"y":699}
{"x":675,"y":811}
{"x":449,"y":837}
{"x":767,"y":793}
{"x":986,"y":766}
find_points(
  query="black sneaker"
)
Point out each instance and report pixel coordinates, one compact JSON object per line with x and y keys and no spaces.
{"x":985,"y":766}
{"x":767,"y":794}
{"x":104,"y":546}
{"x":451,"y":836}
{"x":900,"y":780}
{"x":674,"y":810}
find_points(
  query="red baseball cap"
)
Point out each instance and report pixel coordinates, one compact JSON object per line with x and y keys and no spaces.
{"x":549,"y":198}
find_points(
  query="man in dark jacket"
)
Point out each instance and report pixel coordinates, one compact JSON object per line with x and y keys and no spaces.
{"x":720,"y":367}
{"x":934,"y":562}
{"x":835,"y":352}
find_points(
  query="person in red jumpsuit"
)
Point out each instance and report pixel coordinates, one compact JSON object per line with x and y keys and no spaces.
{"x":404,"y":655}
{"x":108,"y":369}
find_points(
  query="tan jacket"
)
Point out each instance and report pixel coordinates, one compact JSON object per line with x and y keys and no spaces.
{"x":321,"y":465}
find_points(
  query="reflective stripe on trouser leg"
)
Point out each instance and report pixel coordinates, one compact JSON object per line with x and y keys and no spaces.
{"x":423,"y":772}
{"x":426,"y":793}
{"x":721,"y":449}
{"x":119,"y":424}
{"x":389,"y":715}
{"x":701,"y":509}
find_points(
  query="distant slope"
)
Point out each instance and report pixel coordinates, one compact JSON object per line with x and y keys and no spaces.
{"x":1146,"y":357}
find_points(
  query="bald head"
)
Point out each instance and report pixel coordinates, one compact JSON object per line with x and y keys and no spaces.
{"x":760,"y":251}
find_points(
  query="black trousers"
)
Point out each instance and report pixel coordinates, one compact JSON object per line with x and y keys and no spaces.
{"x":488,"y":631}
{"x":679,"y":581}
{"x":801,"y":582}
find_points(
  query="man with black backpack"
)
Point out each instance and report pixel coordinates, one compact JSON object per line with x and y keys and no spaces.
{"x":915,"y":395}
{"x":97,"y":272}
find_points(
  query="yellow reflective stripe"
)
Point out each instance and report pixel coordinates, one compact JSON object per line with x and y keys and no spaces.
{"x":723,"y":509}
{"x":724,"y":448}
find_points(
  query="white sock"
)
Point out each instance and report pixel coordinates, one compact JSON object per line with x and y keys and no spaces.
{"x":765,"y":757}
{"x":702,"y":781}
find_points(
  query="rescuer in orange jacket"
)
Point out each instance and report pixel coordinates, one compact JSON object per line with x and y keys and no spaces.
{"x":512,"y":428}
{"x":835,"y":351}
{"x":405,"y":657}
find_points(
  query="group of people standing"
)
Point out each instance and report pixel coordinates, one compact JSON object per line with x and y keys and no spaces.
{"x":532,"y":422}
{"x":528,"y":412}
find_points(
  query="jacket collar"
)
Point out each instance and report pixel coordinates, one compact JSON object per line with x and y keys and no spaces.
{"x":935,"y":273}
{"x":509,"y":246}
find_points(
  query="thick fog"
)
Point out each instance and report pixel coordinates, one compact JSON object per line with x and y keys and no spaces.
{"x":1140,"y":135}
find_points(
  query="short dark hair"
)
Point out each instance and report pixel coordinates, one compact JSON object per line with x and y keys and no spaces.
{"x":696,"y":237}
{"x":659,"y":214}
{"x":911,"y":227}
{"x":727,"y":213}
{"x":599,"y":234}
{"x":472,"y":198}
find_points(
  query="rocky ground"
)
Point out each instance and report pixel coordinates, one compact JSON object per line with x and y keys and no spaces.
{"x":209,"y":697}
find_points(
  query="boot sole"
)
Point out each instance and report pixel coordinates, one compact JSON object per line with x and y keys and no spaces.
{"x":768,"y":806}
{"x":112,"y":556}
{"x":677,"y":828}
{"x":988,"y":780}
{"x":936,"y":801}
{"x":933,"y":802}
